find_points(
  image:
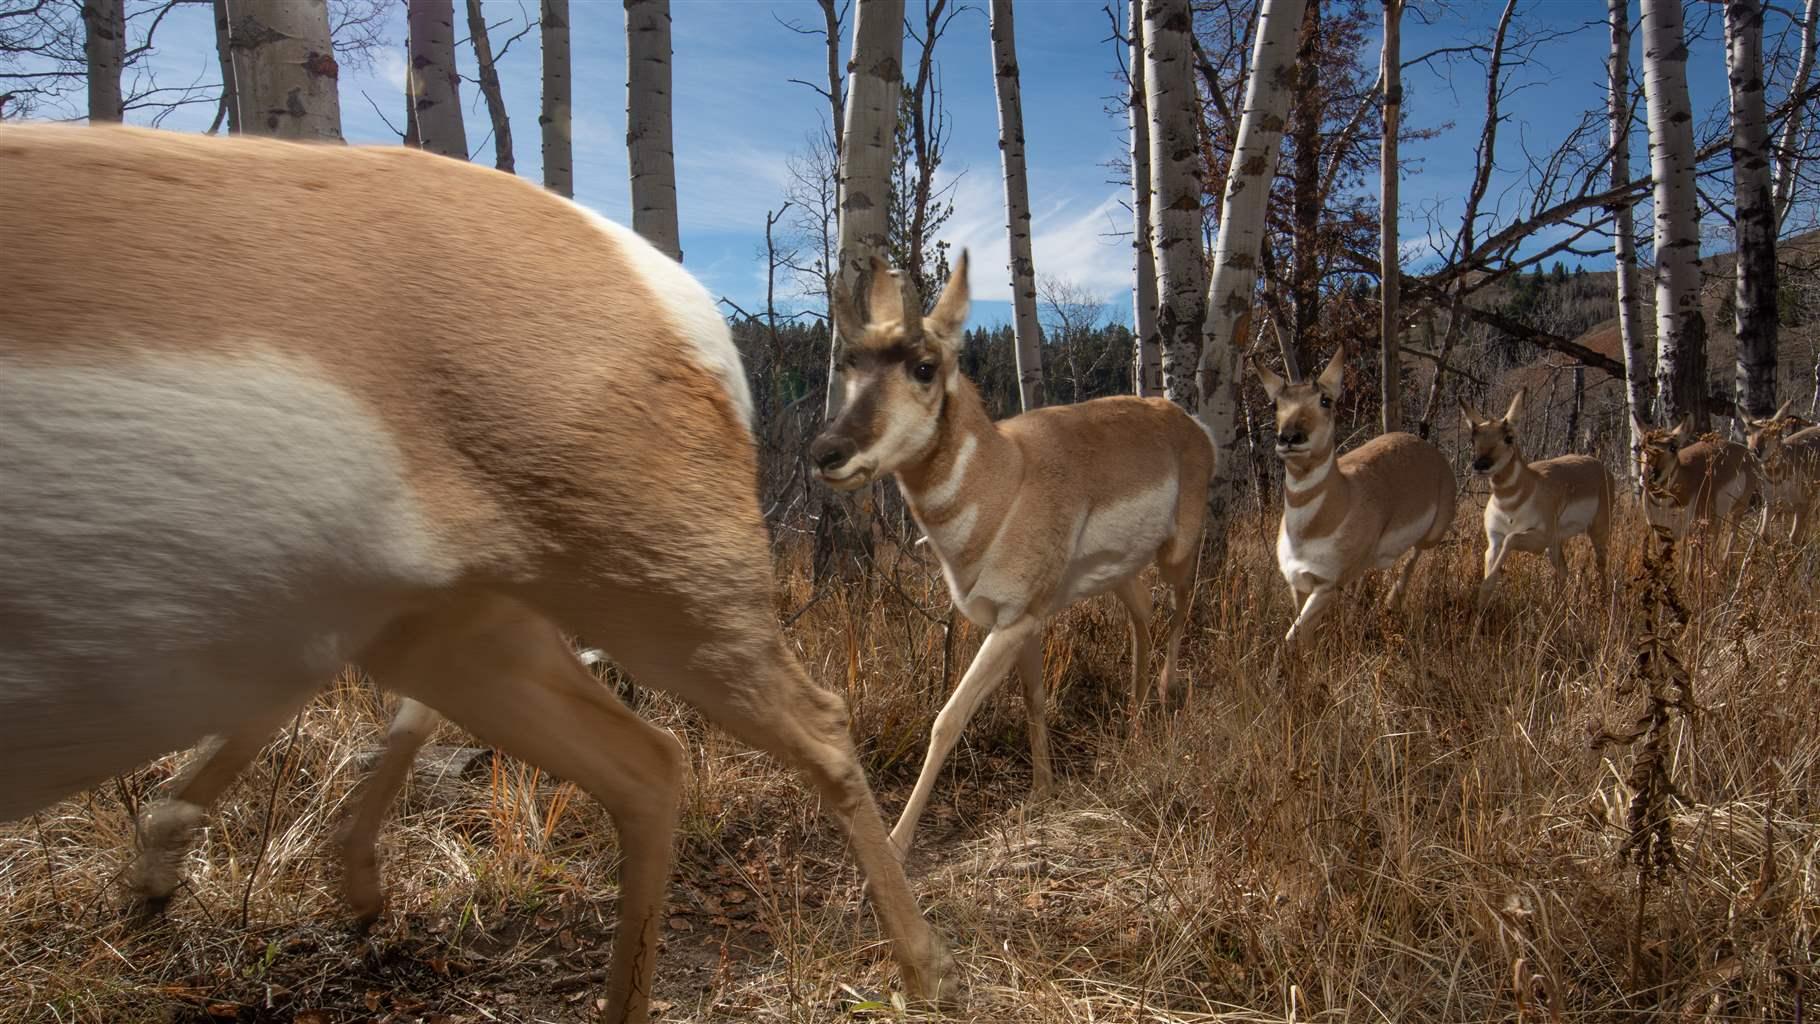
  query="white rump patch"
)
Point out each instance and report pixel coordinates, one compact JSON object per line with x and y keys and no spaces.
{"x":689,"y":307}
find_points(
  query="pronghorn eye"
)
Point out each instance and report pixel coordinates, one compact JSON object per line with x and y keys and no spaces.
{"x":1326,"y":402}
{"x":923,"y":371}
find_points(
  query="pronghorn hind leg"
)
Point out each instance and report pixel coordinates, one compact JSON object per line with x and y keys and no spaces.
{"x":1036,"y":696}
{"x":1395,"y":597}
{"x":1557,"y":557}
{"x":1180,"y":577}
{"x":507,"y":675}
{"x":411,"y":727}
{"x":1134,"y":594}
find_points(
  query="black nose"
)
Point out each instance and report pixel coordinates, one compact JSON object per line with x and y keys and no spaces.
{"x":1291,"y":438}
{"x":831,"y":451}
{"x":1481,"y":464}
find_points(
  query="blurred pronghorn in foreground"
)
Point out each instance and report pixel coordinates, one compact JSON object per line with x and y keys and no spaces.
{"x":272,"y":408}
{"x":1359,"y":511}
{"x":1787,"y":449}
{"x":1027,"y":515}
{"x":1535,"y":506}
{"x":1705,"y":483}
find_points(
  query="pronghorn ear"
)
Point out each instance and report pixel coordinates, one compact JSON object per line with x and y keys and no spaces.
{"x":1473,"y":419}
{"x":848,"y":327}
{"x":1516,"y":405}
{"x":1682,"y":428}
{"x":884,"y":296}
{"x":1636,"y":424}
{"x":950,"y":313}
{"x":1273,"y":384}
{"x":1333,"y":378}
{"x":1782,"y":411}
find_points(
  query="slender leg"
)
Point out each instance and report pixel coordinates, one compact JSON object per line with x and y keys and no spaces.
{"x":1030,"y":670}
{"x":988,"y":670}
{"x":166,"y":828}
{"x":1312,"y":609}
{"x":1181,"y":603}
{"x":411,"y":727}
{"x":507,"y":676}
{"x":1135,"y":596}
{"x":1395,"y":597}
{"x":1558,"y":558}
{"x":1495,"y":553}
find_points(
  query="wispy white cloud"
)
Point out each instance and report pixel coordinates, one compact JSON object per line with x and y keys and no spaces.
{"x":1073,"y":238}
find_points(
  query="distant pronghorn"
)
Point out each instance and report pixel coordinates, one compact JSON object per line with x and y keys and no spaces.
{"x":1703,"y":482}
{"x":1535,"y":506}
{"x":270,"y":408}
{"x":1359,"y":511}
{"x":1787,"y":449}
{"x":1028,"y":515}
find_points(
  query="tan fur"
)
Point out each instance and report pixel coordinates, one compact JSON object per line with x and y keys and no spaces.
{"x":1703,"y":482}
{"x":1343,"y":516}
{"x":1536,"y":506}
{"x":1027,"y":515}
{"x":1787,"y":450}
{"x":574,"y":468}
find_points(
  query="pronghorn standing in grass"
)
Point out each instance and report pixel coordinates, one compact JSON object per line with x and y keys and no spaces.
{"x":1787,"y":449}
{"x":268,"y":408}
{"x":1028,"y":515}
{"x":1535,"y":506}
{"x":1702,"y":482}
{"x":1347,"y":514}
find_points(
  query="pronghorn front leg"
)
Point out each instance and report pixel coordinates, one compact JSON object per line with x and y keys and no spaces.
{"x":359,"y":838}
{"x":1036,"y":696}
{"x":1313,"y":606}
{"x":988,"y":670}
{"x":1495,"y":552}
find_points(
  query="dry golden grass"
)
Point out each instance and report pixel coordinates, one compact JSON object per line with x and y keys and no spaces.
{"x":1410,"y":824}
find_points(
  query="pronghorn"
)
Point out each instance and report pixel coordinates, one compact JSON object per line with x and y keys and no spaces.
{"x":1028,"y":515}
{"x":1359,"y":511}
{"x":1535,"y":506}
{"x":1707,"y":482}
{"x":272,"y":407}
{"x":1787,"y":450}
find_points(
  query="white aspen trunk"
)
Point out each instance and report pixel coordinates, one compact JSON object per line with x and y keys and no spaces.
{"x":285,"y":76}
{"x":433,"y":85}
{"x":1235,"y":254}
{"x":1788,"y":159}
{"x":1755,"y":295}
{"x":104,"y":46}
{"x":875,"y":81}
{"x":1028,"y":347}
{"x":1389,"y":262}
{"x":1680,"y":325}
{"x":652,"y":157}
{"x":1639,"y":362}
{"x":1147,"y":368}
{"x":1176,"y":184}
{"x":224,"y":55}
{"x":503,"y":158}
{"x":553,"y":119}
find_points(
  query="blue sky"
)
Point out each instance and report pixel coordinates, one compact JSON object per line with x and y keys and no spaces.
{"x":737,"y":120}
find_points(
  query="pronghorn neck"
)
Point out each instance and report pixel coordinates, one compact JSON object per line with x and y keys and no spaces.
{"x":1512,"y":481}
{"x":1310,"y":482}
{"x":938,"y":486}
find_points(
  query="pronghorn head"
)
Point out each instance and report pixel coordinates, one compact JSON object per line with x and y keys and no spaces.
{"x":1494,"y":442}
{"x":1304,"y":409}
{"x":1659,"y":456}
{"x":1765,"y":437}
{"x":898,"y":367}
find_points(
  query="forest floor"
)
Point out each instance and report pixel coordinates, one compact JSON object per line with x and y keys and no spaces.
{"x":1412,"y":822}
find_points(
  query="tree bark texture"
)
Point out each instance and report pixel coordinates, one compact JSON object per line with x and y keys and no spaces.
{"x":1176,"y":184}
{"x":553,"y":119}
{"x":1754,"y":303}
{"x":875,"y":81}
{"x":1028,"y":335}
{"x":432,"y":82}
{"x":1389,"y":351}
{"x":104,"y":46}
{"x":650,"y":149}
{"x":1639,"y":362}
{"x":1788,"y":159}
{"x":1148,"y":366}
{"x":1306,"y":208}
{"x":224,"y":55}
{"x":285,"y":76}
{"x":1242,"y":216}
{"x":1680,"y":325}
{"x":490,"y":90}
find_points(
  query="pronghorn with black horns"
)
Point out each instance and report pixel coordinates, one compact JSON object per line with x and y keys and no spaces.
{"x":1787,"y":449}
{"x":1535,"y":506}
{"x":1343,"y":515}
{"x":1027,"y":515}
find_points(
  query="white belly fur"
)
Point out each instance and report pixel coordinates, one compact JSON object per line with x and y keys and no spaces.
{"x":185,"y":543}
